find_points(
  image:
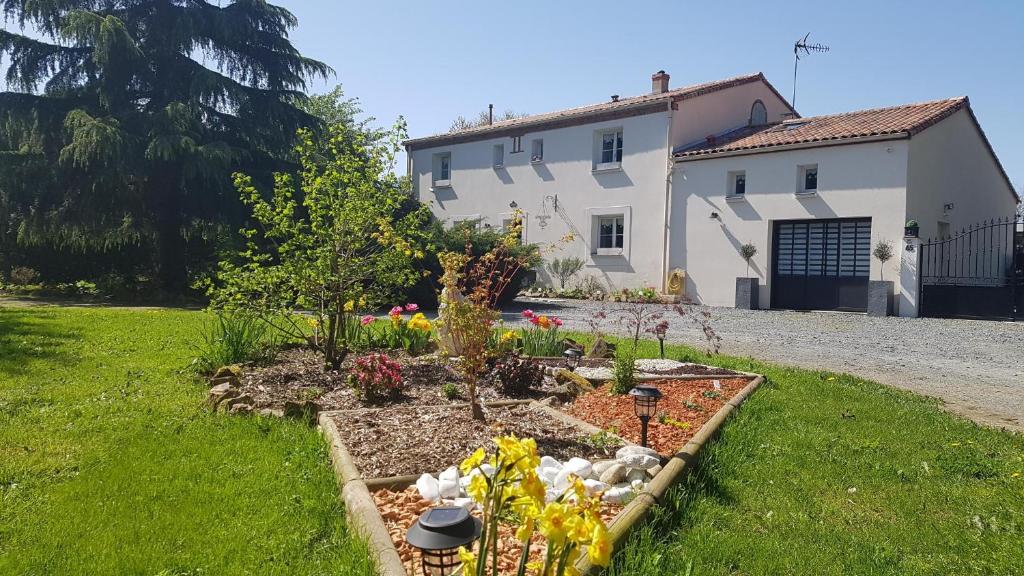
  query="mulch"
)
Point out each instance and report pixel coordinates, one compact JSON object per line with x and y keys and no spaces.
{"x":298,"y":375}
{"x":688,"y":404}
{"x":400,"y":510}
{"x":401,"y":440}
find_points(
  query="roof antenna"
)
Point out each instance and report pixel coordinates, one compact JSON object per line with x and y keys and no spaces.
{"x":798,"y":47}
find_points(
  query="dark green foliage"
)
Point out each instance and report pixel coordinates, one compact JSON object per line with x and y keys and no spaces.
{"x":233,"y":338}
{"x":517,"y":376}
{"x":624,"y":370}
{"x":129,"y":118}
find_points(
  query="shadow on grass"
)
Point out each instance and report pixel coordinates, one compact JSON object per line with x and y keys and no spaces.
{"x":27,"y":335}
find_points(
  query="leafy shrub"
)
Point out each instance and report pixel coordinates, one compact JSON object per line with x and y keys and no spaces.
{"x":516,"y":375}
{"x":645,"y":294}
{"x":376,"y":377}
{"x":450,"y":390}
{"x":543,"y":338}
{"x":233,"y":338}
{"x":23,"y":276}
{"x":565,"y":268}
{"x":625,"y":371}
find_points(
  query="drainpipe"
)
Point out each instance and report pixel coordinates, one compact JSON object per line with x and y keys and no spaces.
{"x":668,"y":200}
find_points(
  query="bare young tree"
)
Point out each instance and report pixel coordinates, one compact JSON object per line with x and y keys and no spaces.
{"x":482,"y":119}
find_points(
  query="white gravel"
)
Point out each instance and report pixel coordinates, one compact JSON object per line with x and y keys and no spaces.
{"x":976,"y":367}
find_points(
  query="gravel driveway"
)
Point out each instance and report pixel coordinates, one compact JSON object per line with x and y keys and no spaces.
{"x":976,"y":367}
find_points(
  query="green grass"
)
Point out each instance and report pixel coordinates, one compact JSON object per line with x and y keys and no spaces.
{"x":109,"y":463}
{"x":824,"y":473}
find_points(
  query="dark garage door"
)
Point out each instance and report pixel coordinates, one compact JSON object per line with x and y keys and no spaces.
{"x":821,"y":264}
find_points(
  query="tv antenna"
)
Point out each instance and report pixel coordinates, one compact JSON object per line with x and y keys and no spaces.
{"x":801,"y":46}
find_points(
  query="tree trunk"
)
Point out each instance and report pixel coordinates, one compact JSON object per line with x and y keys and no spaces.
{"x":173,"y":262}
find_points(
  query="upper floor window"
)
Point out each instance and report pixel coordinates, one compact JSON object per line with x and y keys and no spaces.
{"x":537,"y":150}
{"x":611,"y":147}
{"x":808,"y":178}
{"x":737,"y":184}
{"x":442,"y":169}
{"x":758,"y":114}
{"x":499,"y":155}
{"x":517,"y":144}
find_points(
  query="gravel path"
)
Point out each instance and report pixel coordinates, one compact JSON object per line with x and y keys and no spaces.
{"x":975,"y":367}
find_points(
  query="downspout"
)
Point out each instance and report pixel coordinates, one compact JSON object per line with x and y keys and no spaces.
{"x":668,"y":200}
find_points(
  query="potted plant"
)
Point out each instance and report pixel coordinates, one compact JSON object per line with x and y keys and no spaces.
{"x":746,"y":287}
{"x":911,"y":229}
{"x":880,"y":291}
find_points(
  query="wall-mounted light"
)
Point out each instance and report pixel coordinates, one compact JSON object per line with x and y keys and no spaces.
{"x":513,"y":205}
{"x":714,"y":216}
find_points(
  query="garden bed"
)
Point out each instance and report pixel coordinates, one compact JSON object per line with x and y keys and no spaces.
{"x":298,"y":375}
{"x":401,"y":509}
{"x":403,"y":440}
{"x":683,"y":409}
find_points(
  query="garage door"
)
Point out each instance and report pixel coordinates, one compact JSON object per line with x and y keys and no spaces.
{"x":821,"y":264}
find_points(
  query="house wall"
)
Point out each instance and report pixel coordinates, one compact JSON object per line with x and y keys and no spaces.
{"x":854,"y":180}
{"x":637,"y":190}
{"x":950,"y":164}
{"x":718,"y":112}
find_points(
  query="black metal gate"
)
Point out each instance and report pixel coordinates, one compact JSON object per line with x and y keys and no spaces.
{"x":821,"y":264}
{"x":978,"y":273}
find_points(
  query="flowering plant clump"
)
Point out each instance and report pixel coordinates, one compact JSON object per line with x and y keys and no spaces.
{"x":412,"y":335}
{"x":506,"y":484}
{"x":376,"y":377}
{"x":542,"y":338}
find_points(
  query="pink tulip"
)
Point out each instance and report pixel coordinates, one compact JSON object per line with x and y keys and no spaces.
{"x":396,"y":311}
{"x":412,"y":307}
{"x":527,"y":313}
{"x":368,"y":319}
{"x":557,"y":321}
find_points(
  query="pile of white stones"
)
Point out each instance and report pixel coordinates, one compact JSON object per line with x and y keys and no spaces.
{"x":643,"y":366}
{"x":618,"y":481}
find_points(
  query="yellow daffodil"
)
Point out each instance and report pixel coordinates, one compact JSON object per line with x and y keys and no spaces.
{"x":468,"y":560}
{"x":579,"y":530}
{"x":554,"y":521}
{"x":350,"y":306}
{"x":533,"y":487}
{"x":474,"y":460}
{"x":525,"y":530}
{"x":508,"y":336}
{"x":477,"y":488}
{"x":600,"y":549}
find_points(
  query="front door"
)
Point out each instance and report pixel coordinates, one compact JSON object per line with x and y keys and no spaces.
{"x":821,"y":264}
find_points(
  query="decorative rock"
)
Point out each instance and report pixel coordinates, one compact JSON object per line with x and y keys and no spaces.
{"x":641,"y":461}
{"x":428,"y":488}
{"x":241,"y":408}
{"x":271,"y":412}
{"x":549,"y":462}
{"x":466,"y":503}
{"x":549,"y":474}
{"x":636,"y":475}
{"x":619,"y":495}
{"x":614,"y":474}
{"x":228,"y":403}
{"x":448,"y":483}
{"x":579,"y":467}
{"x":601,"y":465}
{"x":595,"y":486}
{"x":218,"y":393}
{"x":233,"y":380}
{"x":601,"y":349}
{"x":224,"y":371}
{"x":625,"y":450}
{"x":577,"y":384}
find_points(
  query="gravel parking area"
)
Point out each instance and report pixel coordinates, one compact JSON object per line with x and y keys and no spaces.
{"x":976,"y":367}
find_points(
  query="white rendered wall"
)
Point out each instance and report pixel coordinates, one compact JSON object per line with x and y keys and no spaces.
{"x":950,"y":164}
{"x":480,"y":190}
{"x":854,"y":180}
{"x":717,"y":112}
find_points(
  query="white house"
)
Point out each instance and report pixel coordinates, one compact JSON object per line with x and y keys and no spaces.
{"x":677,"y":179}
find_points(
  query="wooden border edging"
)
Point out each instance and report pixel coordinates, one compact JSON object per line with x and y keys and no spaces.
{"x":673,"y":471}
{"x":362,"y":512}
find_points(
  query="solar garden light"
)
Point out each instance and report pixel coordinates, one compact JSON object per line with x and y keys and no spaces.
{"x":572,"y":358}
{"x":645,"y":405}
{"x":438,"y":534}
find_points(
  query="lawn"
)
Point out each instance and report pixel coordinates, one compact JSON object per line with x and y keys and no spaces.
{"x":824,"y":473}
{"x":109,"y":463}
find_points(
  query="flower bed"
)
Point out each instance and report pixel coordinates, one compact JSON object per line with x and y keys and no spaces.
{"x":684,"y":407}
{"x":401,"y":440}
{"x":602,"y":368}
{"x":400,"y":509}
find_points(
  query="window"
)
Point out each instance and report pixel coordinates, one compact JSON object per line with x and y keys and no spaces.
{"x":737,"y":184}
{"x":517,"y":144}
{"x":608,"y":150}
{"x":611,"y":233}
{"x":508,"y":223}
{"x":758,"y":114}
{"x":499,"y":155}
{"x":537,"y":150}
{"x":442,"y":169}
{"x":808,"y":179}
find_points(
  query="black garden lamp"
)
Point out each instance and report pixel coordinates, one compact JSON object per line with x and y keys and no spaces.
{"x":572,"y":358}
{"x":438,"y":534}
{"x":645,"y":405}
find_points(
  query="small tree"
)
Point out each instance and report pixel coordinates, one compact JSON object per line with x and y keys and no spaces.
{"x":883,"y":252}
{"x":565,"y":268}
{"x":483,"y":118}
{"x":748,"y":251}
{"x":351,"y":240}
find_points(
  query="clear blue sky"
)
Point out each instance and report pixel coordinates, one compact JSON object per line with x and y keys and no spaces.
{"x":432,"y":61}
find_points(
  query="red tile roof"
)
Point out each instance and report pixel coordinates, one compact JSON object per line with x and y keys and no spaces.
{"x":907,"y":120}
{"x":636,"y":105}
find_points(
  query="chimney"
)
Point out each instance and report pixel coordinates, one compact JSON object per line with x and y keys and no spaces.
{"x":490,"y":114}
{"x":659,"y":82}
{"x":710,"y":139}
{"x":615,"y":97}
